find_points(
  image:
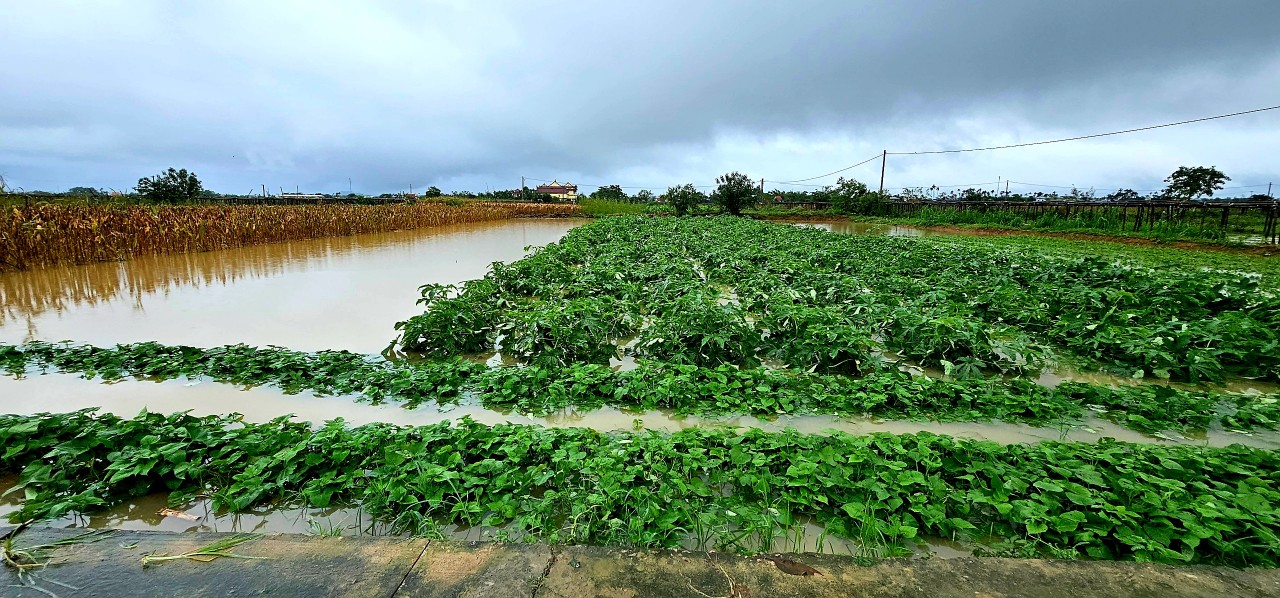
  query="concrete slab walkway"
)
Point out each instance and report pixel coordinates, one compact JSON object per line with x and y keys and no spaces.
{"x":361,"y":566}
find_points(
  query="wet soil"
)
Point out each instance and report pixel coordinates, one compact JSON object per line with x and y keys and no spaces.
{"x":291,"y":565}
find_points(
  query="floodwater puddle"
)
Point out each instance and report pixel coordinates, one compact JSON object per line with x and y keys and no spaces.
{"x":57,"y":393}
{"x":847,"y":227}
{"x":329,"y":293}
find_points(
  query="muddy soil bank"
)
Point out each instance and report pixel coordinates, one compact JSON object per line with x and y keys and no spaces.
{"x":294,"y":565}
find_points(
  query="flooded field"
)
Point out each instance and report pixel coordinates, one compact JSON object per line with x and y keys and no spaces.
{"x":346,"y":293}
{"x":331,"y":293}
{"x":56,"y":393}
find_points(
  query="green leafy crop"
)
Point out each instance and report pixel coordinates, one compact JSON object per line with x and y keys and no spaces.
{"x":710,"y":291}
{"x":1108,"y":500}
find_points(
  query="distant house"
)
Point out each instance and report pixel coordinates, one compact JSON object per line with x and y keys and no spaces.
{"x":560,"y":190}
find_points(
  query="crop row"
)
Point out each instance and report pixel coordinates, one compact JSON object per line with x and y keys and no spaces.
{"x":1108,"y":500}
{"x":684,"y":388}
{"x":712,"y":291}
{"x":47,"y":234}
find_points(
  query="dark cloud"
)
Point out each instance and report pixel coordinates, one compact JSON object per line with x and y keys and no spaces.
{"x":463,"y":94}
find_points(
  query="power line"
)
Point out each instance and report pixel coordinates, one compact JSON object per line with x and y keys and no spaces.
{"x":1120,"y":188}
{"x":828,"y":174}
{"x":619,"y":186}
{"x":947,"y":186}
{"x":996,"y":147}
{"x":796,"y":184}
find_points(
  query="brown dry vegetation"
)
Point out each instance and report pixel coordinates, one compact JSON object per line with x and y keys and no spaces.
{"x":47,"y":234}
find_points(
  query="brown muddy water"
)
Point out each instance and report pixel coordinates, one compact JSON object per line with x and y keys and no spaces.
{"x":330,"y":293}
{"x":846,"y":227}
{"x":58,"y":393}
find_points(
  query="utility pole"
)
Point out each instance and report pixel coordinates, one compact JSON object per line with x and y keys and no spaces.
{"x":761,"y":185}
{"x":1006,"y":187}
{"x":348,"y":185}
{"x":264,"y":189}
{"x":522,"y":197}
{"x":1268,"y":189}
{"x":884,"y":156}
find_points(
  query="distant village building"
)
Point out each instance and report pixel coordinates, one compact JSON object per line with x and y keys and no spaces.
{"x":560,"y":190}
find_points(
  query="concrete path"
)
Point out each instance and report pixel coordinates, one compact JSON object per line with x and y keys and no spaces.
{"x":311,"y":566}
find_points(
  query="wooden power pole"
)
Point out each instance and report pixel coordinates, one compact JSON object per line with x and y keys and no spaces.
{"x":884,"y":156}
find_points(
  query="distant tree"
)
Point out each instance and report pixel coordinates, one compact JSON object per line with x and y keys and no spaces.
{"x":1122,"y":195}
{"x":1191,"y":182}
{"x":613,"y":192}
{"x":86,"y":192}
{"x":684,"y":197}
{"x":432,"y":191}
{"x":850,"y":196}
{"x":734,"y":191}
{"x":171,"y":186}
{"x":644,"y":196}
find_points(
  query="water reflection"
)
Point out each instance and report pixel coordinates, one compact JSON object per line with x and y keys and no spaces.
{"x":330,"y":293}
{"x":847,"y":227}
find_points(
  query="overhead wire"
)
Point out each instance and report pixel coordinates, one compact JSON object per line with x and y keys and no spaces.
{"x":1095,"y":135}
{"x":800,"y":182}
{"x":828,"y":174}
{"x":1077,"y":138}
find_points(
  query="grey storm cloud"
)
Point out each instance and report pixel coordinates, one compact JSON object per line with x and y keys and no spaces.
{"x":468,"y":94}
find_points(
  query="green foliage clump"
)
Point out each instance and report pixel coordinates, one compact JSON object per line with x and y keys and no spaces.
{"x":734,"y":192}
{"x":684,"y":198}
{"x":458,"y":320}
{"x":171,"y":186}
{"x":609,"y":192}
{"x":720,"y":489}
{"x":1193,"y":182}
{"x":850,"y":196}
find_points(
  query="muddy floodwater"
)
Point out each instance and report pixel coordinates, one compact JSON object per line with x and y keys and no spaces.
{"x":59,"y":393}
{"x":846,"y":227}
{"x":330,"y":293}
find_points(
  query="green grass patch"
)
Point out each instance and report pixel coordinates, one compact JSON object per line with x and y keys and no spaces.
{"x":605,"y":207}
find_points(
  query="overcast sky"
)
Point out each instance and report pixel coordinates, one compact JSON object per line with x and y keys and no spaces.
{"x":469,"y":94}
